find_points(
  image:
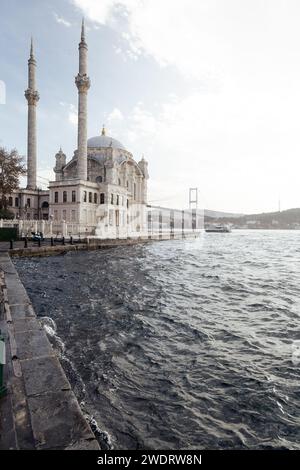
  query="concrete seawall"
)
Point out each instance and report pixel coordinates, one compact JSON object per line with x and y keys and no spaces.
{"x":39,"y":411}
{"x":93,"y":244}
{"x":48,"y":250}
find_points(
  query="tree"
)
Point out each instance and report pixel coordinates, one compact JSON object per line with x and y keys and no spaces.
{"x":6,"y":214}
{"x":11,"y":168}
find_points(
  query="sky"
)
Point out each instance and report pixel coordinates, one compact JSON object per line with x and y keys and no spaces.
{"x":207,"y":90}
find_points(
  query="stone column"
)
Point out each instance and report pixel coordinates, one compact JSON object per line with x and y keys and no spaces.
{"x":83,"y":84}
{"x":64,"y":228}
{"x":32,"y":97}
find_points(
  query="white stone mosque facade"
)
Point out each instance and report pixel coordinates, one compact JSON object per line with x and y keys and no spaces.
{"x":100,"y":191}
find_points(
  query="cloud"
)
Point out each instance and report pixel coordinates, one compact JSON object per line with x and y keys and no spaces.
{"x":115,"y":115}
{"x":216,"y":140}
{"x":239,"y":131}
{"x":170,"y":31}
{"x":104,"y":11}
{"x":73,"y":115}
{"x":62,"y":21}
{"x":72,"y":112}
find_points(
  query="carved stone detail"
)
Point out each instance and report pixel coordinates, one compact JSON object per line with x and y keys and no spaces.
{"x":32,"y":96}
{"x":83,"y":83}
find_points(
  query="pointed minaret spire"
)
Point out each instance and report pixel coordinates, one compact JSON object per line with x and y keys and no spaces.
{"x":32,"y":97}
{"x":31,"y":67}
{"x":83,"y":84}
{"x":31,"y":49}
{"x":103,"y":130}
{"x":82,"y":31}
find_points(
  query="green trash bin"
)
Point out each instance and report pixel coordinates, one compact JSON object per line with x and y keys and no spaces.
{"x":2,"y":363}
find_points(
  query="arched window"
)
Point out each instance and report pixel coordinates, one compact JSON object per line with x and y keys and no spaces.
{"x":45,"y":205}
{"x":56,"y":197}
{"x":99,"y":179}
{"x":90,"y":197}
{"x":10,"y":201}
{"x":84,"y":196}
{"x":65,"y":196}
{"x":112,"y":199}
{"x":28,"y":202}
{"x":119,"y":182}
{"x":17,"y":202}
{"x":95,"y":198}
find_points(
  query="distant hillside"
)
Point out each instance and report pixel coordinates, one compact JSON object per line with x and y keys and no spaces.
{"x":288,"y":219}
{"x":218,"y":214}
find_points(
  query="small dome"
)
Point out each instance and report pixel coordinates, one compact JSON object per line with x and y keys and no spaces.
{"x":104,"y":141}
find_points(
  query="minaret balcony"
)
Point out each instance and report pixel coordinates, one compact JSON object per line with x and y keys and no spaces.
{"x":83,"y":83}
{"x":32,"y":96}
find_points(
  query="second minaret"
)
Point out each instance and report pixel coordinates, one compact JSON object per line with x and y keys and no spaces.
{"x":83,"y":84}
{"x":32,"y":97}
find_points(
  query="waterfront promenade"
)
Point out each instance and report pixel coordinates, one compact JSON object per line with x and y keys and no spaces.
{"x":39,"y":411}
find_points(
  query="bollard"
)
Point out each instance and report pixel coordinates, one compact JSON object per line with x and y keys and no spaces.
{"x":71,"y":240}
{"x":26,"y":242}
{"x":2,"y":362}
{"x":63,"y":240}
{"x":11,"y":247}
{"x":52,"y":241}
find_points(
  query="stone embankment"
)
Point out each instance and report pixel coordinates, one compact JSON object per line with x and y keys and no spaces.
{"x":39,"y":411}
{"x":46,"y":249}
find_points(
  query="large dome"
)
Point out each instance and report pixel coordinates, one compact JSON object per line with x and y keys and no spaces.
{"x":104,"y":141}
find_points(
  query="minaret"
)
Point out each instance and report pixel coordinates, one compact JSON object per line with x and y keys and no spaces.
{"x":32,"y":97}
{"x":83,"y":84}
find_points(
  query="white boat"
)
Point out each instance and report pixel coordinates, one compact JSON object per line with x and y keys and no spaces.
{"x":220,"y":228}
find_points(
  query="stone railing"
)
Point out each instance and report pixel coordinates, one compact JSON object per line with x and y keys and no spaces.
{"x":151,"y":221}
{"x":48,"y":228}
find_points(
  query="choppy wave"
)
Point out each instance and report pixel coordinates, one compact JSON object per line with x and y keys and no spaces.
{"x":180,"y":344}
{"x":75,"y":380}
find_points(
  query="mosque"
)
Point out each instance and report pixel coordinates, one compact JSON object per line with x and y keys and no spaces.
{"x":101,"y":189}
